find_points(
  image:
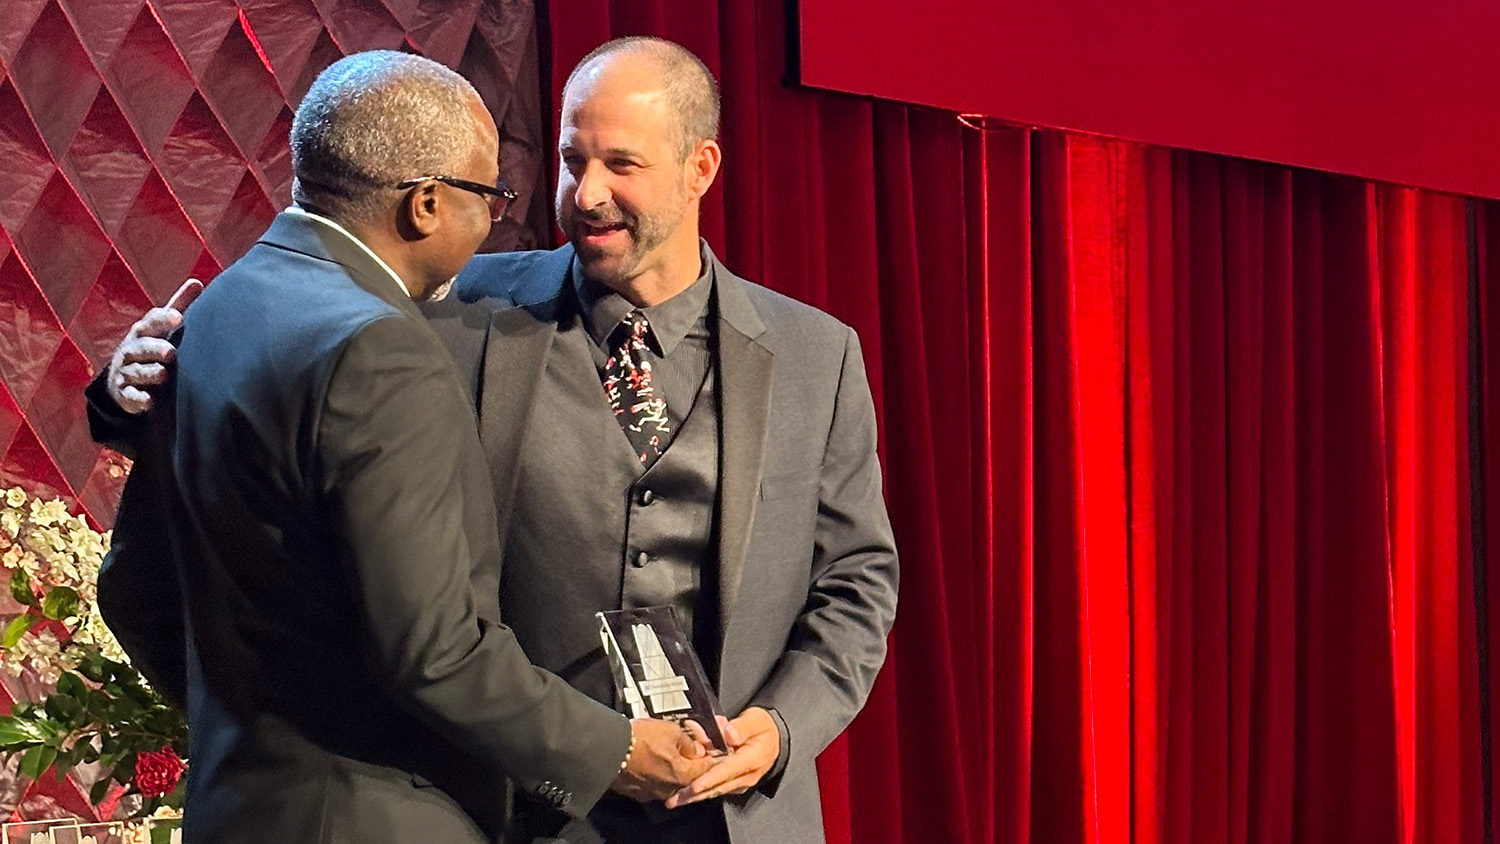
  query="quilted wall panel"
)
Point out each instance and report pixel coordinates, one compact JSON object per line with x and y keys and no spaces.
{"x":143,"y":142}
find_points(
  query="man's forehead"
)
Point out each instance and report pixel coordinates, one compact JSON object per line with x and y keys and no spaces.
{"x":617,"y":114}
{"x":617,"y":76}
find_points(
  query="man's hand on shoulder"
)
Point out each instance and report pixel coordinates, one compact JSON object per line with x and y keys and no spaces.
{"x":663,"y":759}
{"x":756,"y":743}
{"x":140,"y":361}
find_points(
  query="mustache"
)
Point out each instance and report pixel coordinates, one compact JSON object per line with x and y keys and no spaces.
{"x":604,"y":216}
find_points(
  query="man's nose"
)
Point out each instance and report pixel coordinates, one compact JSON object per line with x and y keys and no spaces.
{"x":593,"y":186}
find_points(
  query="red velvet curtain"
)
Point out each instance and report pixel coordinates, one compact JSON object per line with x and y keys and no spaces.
{"x":1176,"y":448}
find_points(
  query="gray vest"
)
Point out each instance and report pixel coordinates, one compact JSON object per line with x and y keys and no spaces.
{"x":589,"y":530}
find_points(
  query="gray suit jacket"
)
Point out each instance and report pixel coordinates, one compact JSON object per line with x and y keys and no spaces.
{"x":808,"y":574}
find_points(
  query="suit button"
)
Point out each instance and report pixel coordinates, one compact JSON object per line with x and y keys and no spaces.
{"x":641,"y":560}
{"x":645,"y":497}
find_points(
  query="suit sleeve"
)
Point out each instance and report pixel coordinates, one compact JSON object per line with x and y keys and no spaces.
{"x":406,"y":487}
{"x":110,"y":426}
{"x":139,"y":594}
{"x":839,"y":642}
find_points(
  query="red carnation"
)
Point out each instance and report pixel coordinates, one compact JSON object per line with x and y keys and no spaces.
{"x":157,"y":772}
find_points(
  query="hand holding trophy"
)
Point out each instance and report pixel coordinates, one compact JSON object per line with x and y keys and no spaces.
{"x":658,"y":674}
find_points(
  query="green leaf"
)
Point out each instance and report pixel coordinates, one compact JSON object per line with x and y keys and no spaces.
{"x":70,"y":684}
{"x":93,"y":668}
{"x":63,"y":765}
{"x":48,"y":726}
{"x":60,"y":603}
{"x":100,"y":790}
{"x":15,"y":731}
{"x":140,"y":694}
{"x":123,"y":708}
{"x":36,"y":761}
{"x":63,"y":707}
{"x":20,"y":588}
{"x":97,"y":704}
{"x":16,"y":629}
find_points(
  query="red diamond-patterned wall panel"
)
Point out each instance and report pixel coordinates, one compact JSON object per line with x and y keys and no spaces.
{"x":143,"y":142}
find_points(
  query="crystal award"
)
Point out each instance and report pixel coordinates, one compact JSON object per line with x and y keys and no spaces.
{"x":658,"y":674}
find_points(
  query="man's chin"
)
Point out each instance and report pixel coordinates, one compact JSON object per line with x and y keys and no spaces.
{"x":601,"y":266}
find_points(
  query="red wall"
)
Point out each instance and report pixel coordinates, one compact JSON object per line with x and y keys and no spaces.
{"x":1394,"y":90}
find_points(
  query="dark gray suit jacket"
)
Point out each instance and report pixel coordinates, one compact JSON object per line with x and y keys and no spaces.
{"x":329,"y":502}
{"x":808,"y":573}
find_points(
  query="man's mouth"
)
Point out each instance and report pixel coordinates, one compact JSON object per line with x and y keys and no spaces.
{"x":600,"y":229}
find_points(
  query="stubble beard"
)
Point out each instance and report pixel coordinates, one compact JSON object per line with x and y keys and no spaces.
{"x":645,"y":233}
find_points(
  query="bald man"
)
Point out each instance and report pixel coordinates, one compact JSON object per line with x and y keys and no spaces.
{"x":738,"y":483}
{"x":741,"y":488}
{"x":317,"y":473}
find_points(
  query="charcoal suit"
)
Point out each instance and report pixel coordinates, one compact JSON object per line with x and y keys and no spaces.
{"x":771,"y":512}
{"x":307,"y":555}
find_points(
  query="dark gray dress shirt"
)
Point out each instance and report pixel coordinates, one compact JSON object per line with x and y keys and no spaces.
{"x":679,"y":343}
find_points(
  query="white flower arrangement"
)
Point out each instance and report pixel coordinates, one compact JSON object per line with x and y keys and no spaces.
{"x":98,"y":709}
{"x":50,"y":552}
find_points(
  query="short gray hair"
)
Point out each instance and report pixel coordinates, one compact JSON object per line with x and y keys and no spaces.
{"x":373,"y":119}
{"x":687,"y":82}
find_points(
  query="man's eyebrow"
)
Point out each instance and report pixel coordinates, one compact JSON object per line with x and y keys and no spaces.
{"x":613,"y":152}
{"x":624,"y":152}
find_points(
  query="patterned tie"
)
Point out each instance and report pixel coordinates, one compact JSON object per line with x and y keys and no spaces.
{"x":627,"y":384}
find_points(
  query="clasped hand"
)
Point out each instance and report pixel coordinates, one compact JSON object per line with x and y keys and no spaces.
{"x":672,"y":765}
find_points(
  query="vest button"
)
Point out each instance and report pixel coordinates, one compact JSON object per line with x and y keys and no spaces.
{"x":641,"y":560}
{"x":645,"y":497}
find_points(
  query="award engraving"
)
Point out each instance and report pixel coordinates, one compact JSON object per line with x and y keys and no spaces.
{"x":657,"y":673}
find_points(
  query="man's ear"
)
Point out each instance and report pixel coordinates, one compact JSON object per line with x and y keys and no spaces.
{"x":419,"y":209}
{"x":702,"y":167}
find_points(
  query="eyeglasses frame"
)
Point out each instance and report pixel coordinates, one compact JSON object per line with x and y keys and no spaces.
{"x":501,"y":190}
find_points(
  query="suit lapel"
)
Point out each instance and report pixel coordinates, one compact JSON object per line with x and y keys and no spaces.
{"x":745,"y":411}
{"x":464,"y":329}
{"x":515,"y":356}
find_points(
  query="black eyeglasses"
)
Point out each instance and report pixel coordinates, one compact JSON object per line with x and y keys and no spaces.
{"x":498,"y":196}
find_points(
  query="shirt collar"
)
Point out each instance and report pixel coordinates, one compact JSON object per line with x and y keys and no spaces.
{"x":604,"y":309}
{"x":295,"y":209}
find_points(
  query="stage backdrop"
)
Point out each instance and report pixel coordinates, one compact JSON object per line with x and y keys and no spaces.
{"x":1176,"y":445}
{"x":1177,"y":454}
{"x":143,"y":142}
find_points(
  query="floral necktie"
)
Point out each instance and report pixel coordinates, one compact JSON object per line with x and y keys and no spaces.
{"x":627,"y":385}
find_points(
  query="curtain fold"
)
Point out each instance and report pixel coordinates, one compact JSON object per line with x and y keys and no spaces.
{"x":1176,"y":449}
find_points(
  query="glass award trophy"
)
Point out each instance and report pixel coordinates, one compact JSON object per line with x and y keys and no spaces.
{"x":657,"y":672}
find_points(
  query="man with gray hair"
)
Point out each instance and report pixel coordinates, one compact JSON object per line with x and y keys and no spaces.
{"x":307,"y":552}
